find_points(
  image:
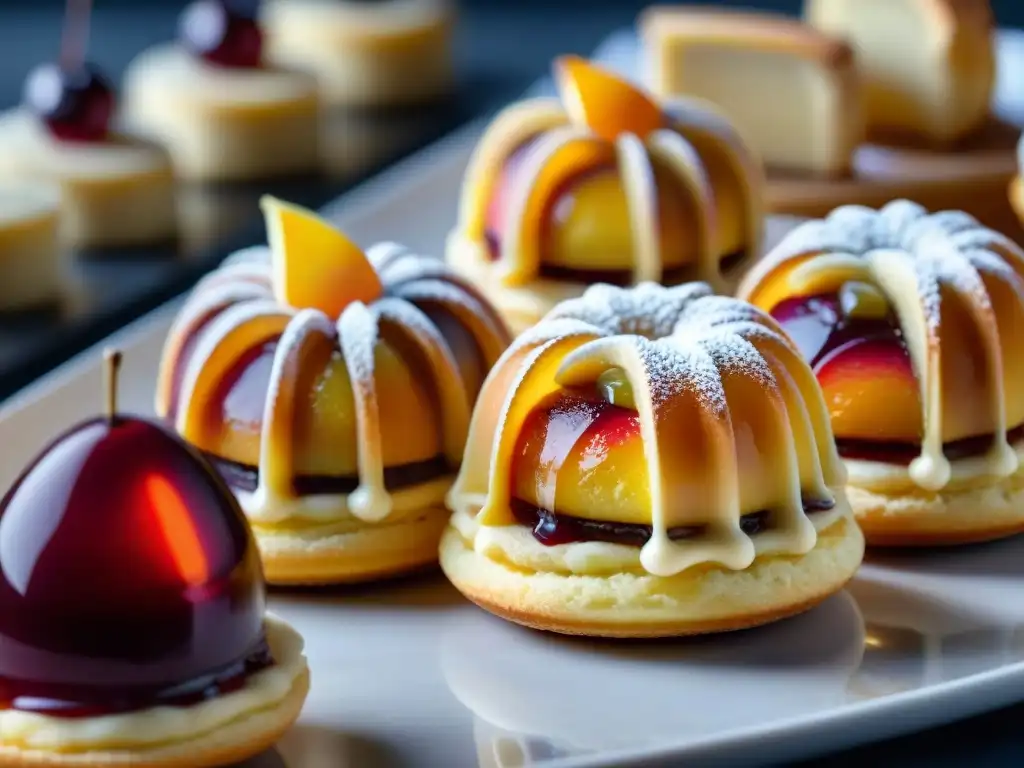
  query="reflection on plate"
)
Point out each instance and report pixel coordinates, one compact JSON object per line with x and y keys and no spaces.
{"x":536,"y":696}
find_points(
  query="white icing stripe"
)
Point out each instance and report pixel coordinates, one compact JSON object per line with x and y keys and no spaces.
{"x":679,"y":155}
{"x":277,"y":439}
{"x":452,"y":400}
{"x":641,"y":190}
{"x":243,"y":271}
{"x":519,"y":258}
{"x":357,"y":335}
{"x":227,"y":323}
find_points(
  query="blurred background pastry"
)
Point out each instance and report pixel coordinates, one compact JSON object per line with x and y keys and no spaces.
{"x":910,"y":320}
{"x":332,"y":389}
{"x":365,"y":53}
{"x":223,"y":112}
{"x":603,"y":184}
{"x":32,"y":263}
{"x":116,"y":189}
{"x":858,"y":102}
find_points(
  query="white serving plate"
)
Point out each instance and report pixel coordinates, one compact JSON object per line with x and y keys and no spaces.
{"x":408,"y":673}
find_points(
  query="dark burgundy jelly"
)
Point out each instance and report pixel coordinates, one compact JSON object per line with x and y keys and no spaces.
{"x":223,"y":32}
{"x":128,"y":577}
{"x":75,"y":103}
{"x":582,"y":421}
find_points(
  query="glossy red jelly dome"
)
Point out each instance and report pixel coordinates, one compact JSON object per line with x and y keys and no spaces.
{"x":128,"y":576}
{"x":223,"y":32}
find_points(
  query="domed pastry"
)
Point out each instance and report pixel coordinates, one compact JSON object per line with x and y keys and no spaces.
{"x":32,"y":263}
{"x":365,"y":54}
{"x":116,"y":189}
{"x":132,"y":626}
{"x":929,"y":65}
{"x":333,"y":391}
{"x":650,"y":462}
{"x":910,"y":322}
{"x":222,"y":111}
{"x":603,"y":185}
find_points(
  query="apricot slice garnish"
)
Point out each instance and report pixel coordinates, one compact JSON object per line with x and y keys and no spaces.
{"x":315,"y":266}
{"x":605,"y":103}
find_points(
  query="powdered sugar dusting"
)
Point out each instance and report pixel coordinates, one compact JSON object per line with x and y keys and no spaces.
{"x":647,"y":309}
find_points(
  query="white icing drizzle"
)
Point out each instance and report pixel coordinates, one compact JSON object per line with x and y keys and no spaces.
{"x":546,"y":119}
{"x":915,"y":259}
{"x":642,"y":204}
{"x":239,"y":293}
{"x":276,"y":469}
{"x":357,"y":334}
{"x":682,"y":350}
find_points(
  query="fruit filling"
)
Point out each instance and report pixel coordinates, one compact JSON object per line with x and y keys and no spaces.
{"x":129,"y":578}
{"x":223,"y":32}
{"x":325,"y":442}
{"x":856,"y":348}
{"x":579,"y":472}
{"x":585,"y":229}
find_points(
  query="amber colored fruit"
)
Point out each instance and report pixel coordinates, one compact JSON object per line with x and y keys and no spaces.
{"x":579,"y":454}
{"x":315,"y":265}
{"x":605,"y":103}
{"x":128,"y":575}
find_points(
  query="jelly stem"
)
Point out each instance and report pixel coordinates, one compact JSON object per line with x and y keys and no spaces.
{"x":112,"y":365}
{"x":75,"y":35}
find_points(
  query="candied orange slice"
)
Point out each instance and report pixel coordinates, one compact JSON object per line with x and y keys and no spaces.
{"x":607,"y":104}
{"x":315,"y":266}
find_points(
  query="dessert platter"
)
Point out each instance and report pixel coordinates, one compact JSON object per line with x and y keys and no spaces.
{"x":416,"y":478}
{"x":315,"y":406}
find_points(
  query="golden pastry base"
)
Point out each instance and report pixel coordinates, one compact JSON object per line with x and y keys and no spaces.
{"x":972,"y":177}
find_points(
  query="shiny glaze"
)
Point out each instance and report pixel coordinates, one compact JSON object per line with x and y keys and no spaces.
{"x":128,"y":576}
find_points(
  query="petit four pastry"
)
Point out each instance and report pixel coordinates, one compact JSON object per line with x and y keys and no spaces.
{"x":332,"y":389}
{"x":910,"y":321}
{"x":31,"y":259}
{"x":603,"y":185}
{"x":794,"y":91}
{"x":929,"y":65}
{"x":116,"y":189}
{"x":379,"y":53}
{"x":222,"y":111}
{"x":132,"y":609}
{"x":650,"y":462}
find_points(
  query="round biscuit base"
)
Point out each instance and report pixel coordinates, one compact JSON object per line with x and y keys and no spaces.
{"x":632,"y":605}
{"x":316,"y":556}
{"x":228,"y":745}
{"x":936,"y":520}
